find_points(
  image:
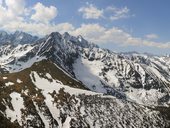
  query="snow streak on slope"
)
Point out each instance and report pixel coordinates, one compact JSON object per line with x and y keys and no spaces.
{"x":43,"y":83}
{"x":88,"y":73}
{"x":17,"y":104}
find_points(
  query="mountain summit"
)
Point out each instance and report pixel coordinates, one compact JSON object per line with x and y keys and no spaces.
{"x":65,"y":81}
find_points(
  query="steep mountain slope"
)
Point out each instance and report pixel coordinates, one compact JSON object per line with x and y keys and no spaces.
{"x":62,"y":80}
{"x":142,"y":78}
{"x":37,"y":97}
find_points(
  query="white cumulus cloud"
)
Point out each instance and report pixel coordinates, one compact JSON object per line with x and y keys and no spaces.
{"x":43,"y":13}
{"x":16,"y":7}
{"x":118,"y":13}
{"x":14,"y":15}
{"x":152,"y":36}
{"x":11,"y":10}
{"x":91,"y":12}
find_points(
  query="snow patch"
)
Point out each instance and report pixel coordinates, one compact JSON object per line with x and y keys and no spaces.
{"x":88,"y":72}
{"x":48,"y":76}
{"x":48,"y":86}
{"x":9,"y":83}
{"x":147,"y":97}
{"x":66,"y":124}
{"x":19,"y":81}
{"x":18,"y":104}
{"x":5,"y":78}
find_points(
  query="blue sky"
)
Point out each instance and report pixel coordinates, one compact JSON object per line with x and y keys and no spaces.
{"x":119,"y":25}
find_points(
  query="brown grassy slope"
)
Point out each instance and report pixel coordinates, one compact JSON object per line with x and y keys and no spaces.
{"x":43,"y":67}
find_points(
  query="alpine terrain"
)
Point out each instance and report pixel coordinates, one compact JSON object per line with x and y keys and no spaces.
{"x":63,"y":81}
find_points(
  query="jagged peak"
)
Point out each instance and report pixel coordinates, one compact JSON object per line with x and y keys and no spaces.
{"x":18,"y":32}
{"x":76,"y":40}
{"x":66,"y":34}
{"x":55,"y":34}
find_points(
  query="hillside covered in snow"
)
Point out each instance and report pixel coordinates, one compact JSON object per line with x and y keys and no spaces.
{"x":65,"y":81}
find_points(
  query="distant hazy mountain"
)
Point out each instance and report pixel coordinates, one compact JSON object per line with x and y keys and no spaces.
{"x":17,"y":38}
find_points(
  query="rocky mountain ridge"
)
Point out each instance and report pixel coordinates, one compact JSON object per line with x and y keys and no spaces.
{"x":68,"y":81}
{"x":17,"y":37}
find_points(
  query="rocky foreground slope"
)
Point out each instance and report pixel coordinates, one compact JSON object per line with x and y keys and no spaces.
{"x":65,"y":81}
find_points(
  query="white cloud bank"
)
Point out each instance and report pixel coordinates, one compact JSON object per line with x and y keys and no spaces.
{"x":100,"y":34}
{"x":14,"y":12}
